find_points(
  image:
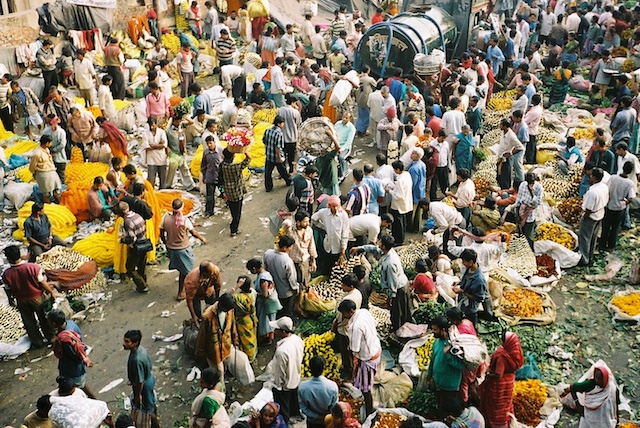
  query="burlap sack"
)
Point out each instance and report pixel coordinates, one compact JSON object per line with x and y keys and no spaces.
{"x":548,"y":315}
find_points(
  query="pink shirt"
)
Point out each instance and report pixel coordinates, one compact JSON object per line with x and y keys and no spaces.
{"x":157,"y":105}
{"x":532,"y":118}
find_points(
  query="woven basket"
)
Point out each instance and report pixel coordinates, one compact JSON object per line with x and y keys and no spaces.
{"x":237,"y":149}
{"x":313,"y":137}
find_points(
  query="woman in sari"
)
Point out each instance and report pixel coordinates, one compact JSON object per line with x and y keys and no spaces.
{"x":598,"y":400}
{"x":269,"y":417}
{"x":267,"y":303}
{"x":464,"y":148}
{"x":497,"y":389}
{"x":246,"y":319}
{"x":560,"y":84}
{"x":340,"y":417}
{"x":110,"y":134}
{"x":269,"y":46}
{"x":208,"y":408}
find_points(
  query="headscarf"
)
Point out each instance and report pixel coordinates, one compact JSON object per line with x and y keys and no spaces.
{"x":115,"y":136}
{"x":178,"y":217}
{"x":347,"y":420}
{"x":278,"y":421}
{"x":511,"y":351}
{"x":391,"y":112}
{"x":54,"y":123}
{"x":595,"y":398}
{"x":334,"y":200}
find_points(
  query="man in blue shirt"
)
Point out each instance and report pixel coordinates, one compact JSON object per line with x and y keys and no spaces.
{"x":317,"y":395}
{"x":71,"y":351}
{"x":418,"y":172}
{"x":346,"y":134}
{"x":377,"y":189}
{"x":201,"y":101}
{"x":495,"y":55}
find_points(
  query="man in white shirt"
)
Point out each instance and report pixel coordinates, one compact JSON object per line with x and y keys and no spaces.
{"x":401,"y":201}
{"x":306,"y":34}
{"x":288,"y":44}
{"x":623,"y":155}
{"x":547,"y":21}
{"x":464,"y":196}
{"x":319,"y":47}
{"x":532,"y":120}
{"x":210,"y":20}
{"x":441,"y":177}
{"x":379,"y":102}
{"x":85,"y":77}
{"x":286,"y":366}
{"x":535,"y":61}
{"x":594,"y":203}
{"x":573,"y":20}
{"x":521,"y":102}
{"x":335,"y":222}
{"x":233,"y":80}
{"x":444,"y":216}
{"x":488,"y":252}
{"x":508,"y":146}
{"x":365,"y":346}
{"x":453,"y":120}
{"x":385,"y":174}
{"x":217,"y":29}
{"x":278,"y":85}
{"x":368,"y":225}
{"x":155,"y":55}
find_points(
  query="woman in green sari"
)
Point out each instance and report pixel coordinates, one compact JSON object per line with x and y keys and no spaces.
{"x":246,"y":319}
{"x":561,"y":84}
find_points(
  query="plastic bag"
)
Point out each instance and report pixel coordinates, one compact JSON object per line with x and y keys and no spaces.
{"x":14,"y":350}
{"x":613,"y":267}
{"x":190,"y":337}
{"x":77,"y":412}
{"x":342,"y":90}
{"x":239,"y":366}
{"x":18,"y":193}
{"x":470,"y":349}
{"x":530,"y":370}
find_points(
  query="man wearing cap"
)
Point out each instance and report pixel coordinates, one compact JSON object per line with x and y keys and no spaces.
{"x":335,"y":222}
{"x":286,"y":366}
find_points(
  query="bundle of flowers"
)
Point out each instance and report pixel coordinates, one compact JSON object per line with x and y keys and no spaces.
{"x":238,"y":137}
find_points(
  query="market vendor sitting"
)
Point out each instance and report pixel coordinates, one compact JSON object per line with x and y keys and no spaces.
{"x":37,"y":231}
{"x":258,"y":98}
{"x":485,"y":215}
{"x":101,"y":199}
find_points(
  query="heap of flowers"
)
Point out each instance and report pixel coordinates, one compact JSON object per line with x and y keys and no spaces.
{"x":238,"y":138}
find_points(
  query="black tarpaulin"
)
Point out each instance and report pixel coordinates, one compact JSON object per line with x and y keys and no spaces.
{"x":67,"y":16}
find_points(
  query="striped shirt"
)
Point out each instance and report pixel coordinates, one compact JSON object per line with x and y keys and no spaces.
{"x":336,"y":26}
{"x":274,"y":139}
{"x":134,"y":228}
{"x":358,"y":200}
{"x":225,"y":48}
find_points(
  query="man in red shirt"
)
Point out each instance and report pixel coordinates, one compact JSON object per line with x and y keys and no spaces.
{"x":26,"y":286}
{"x":377,"y":17}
